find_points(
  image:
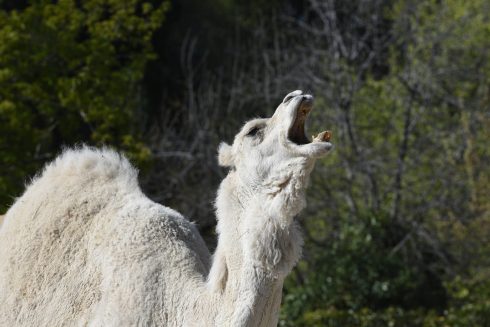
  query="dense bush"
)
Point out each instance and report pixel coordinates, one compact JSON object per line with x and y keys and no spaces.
{"x":70,"y":72}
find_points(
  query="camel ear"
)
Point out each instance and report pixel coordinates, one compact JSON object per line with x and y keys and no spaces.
{"x":225,"y":157}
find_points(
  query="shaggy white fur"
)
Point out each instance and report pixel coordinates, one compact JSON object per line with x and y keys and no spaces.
{"x":84,"y":246}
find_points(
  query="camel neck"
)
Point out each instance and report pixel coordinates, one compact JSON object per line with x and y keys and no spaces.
{"x":254,"y":254}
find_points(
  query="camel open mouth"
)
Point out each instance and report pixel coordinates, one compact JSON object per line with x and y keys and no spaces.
{"x":297,"y":133}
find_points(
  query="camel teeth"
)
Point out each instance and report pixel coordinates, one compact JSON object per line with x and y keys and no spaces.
{"x":318,"y":138}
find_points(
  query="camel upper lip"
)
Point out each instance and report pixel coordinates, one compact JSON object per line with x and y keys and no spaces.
{"x":296,"y":133}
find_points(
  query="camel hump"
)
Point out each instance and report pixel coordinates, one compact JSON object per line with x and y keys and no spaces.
{"x":82,"y":178}
{"x":88,"y":163}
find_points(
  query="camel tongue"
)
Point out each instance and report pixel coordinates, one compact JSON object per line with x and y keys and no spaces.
{"x":322,"y":137}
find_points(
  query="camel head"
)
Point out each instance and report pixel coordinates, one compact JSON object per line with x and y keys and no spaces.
{"x":273,"y":156}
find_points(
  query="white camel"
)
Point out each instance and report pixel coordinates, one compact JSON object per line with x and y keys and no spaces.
{"x":84,"y":246}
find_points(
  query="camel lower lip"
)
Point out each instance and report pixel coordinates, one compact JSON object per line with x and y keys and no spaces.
{"x":322,"y":137}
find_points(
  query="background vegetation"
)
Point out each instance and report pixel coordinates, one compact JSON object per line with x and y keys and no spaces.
{"x":398,"y":223}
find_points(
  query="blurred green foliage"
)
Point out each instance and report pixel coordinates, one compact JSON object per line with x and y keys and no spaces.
{"x":70,"y":72}
{"x":358,"y":279}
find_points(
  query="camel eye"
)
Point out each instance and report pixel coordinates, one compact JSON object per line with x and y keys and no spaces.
{"x":253,"y":131}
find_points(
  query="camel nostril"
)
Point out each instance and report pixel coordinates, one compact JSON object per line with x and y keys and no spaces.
{"x":287,"y":98}
{"x":292,"y":95}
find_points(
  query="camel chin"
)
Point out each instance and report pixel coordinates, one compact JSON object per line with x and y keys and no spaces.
{"x":84,"y":246}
